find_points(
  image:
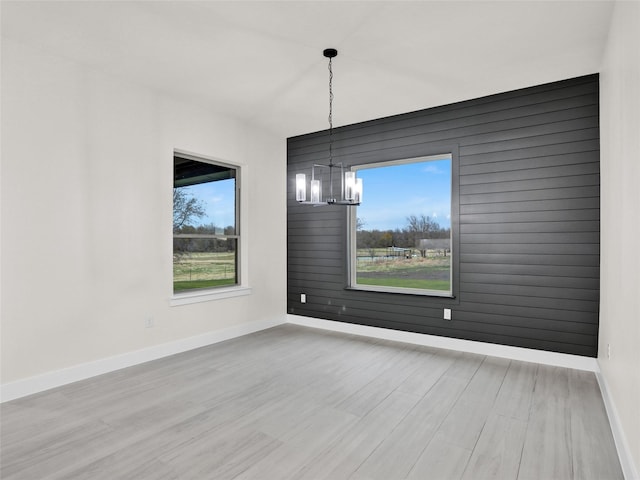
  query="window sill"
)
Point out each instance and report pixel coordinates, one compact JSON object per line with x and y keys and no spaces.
{"x":208,"y":295}
{"x":402,"y":291}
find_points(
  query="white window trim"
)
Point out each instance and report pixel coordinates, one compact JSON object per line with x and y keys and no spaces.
{"x":220,"y":293}
{"x":405,"y":291}
{"x":208,"y":295}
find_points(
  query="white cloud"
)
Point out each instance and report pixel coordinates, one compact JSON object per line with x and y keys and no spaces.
{"x":433,"y":169}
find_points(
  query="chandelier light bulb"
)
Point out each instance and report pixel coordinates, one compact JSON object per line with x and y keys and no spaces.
{"x":301,"y":187}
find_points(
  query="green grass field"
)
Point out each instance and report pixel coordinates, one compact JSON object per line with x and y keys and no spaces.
{"x":180,"y":286}
{"x":428,"y":273}
{"x":203,"y":270}
{"x":193,"y":271}
{"x":405,"y":283}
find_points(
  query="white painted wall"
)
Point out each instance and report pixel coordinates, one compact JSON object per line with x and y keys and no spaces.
{"x":620,"y":211}
{"x":87,"y":208}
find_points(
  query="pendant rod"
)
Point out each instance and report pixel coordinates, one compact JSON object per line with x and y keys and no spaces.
{"x":330,"y":53}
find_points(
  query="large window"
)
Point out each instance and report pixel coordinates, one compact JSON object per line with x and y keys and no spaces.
{"x":401,"y":233}
{"x":205,"y":224}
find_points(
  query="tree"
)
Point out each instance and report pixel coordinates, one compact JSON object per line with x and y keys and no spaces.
{"x":186,"y":208}
{"x":422,"y":227}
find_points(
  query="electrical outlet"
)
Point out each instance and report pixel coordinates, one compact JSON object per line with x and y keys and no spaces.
{"x":148,"y":322}
{"x":303,"y":298}
{"x":447,"y":314}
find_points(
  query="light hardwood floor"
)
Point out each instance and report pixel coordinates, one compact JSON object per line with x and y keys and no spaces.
{"x":298,"y":403}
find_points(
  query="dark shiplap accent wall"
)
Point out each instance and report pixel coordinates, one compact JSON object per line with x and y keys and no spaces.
{"x":527,"y":264}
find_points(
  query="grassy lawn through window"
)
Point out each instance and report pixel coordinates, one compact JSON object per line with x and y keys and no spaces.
{"x":203,"y":269}
{"x":431,"y":272}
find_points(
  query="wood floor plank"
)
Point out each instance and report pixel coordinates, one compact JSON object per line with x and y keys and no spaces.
{"x":220,"y":456}
{"x":547,"y":447}
{"x":364,"y":367}
{"x":429,"y":368}
{"x":440,"y":460}
{"x":296,"y":452}
{"x":117,"y":466}
{"x":487,"y":380}
{"x":593,"y":453}
{"x":516,"y":391}
{"x":298,"y":403}
{"x":344,"y":455}
{"x":388,"y":379}
{"x":400,"y":450}
{"x":22,"y":420}
{"x":54,"y":451}
{"x":466,"y":419}
{"x":123,"y":459}
{"x":465,"y":365}
{"x":136,"y":442}
{"x":497,"y":453}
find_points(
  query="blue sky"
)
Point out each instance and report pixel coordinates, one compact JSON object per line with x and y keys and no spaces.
{"x":218,"y":199}
{"x":392,"y":193}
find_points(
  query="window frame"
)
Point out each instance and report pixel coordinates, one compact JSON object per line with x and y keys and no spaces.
{"x":241,"y":287}
{"x":452,"y":155}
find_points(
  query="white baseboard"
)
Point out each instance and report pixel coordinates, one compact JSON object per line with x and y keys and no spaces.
{"x":46,"y":381}
{"x":622,"y":446}
{"x":513,"y":353}
{"x":57,"y":378}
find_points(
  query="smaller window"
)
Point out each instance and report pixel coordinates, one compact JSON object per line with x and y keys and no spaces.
{"x":400,"y":235}
{"x":206,"y":236}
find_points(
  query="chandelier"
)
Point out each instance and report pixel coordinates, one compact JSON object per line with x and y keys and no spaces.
{"x":349,"y":188}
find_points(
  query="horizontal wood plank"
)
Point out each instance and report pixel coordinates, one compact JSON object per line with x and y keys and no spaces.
{"x":527,"y":230}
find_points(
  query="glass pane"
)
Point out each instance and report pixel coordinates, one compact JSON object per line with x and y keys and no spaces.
{"x":204,"y":203}
{"x":204,"y":263}
{"x":204,"y":198}
{"x":403,"y":240}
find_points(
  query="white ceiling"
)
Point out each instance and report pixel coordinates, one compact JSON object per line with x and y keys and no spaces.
{"x":262,"y":61}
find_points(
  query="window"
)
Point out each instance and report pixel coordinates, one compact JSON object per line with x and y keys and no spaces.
{"x":400,"y":237}
{"x":206,"y":235}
